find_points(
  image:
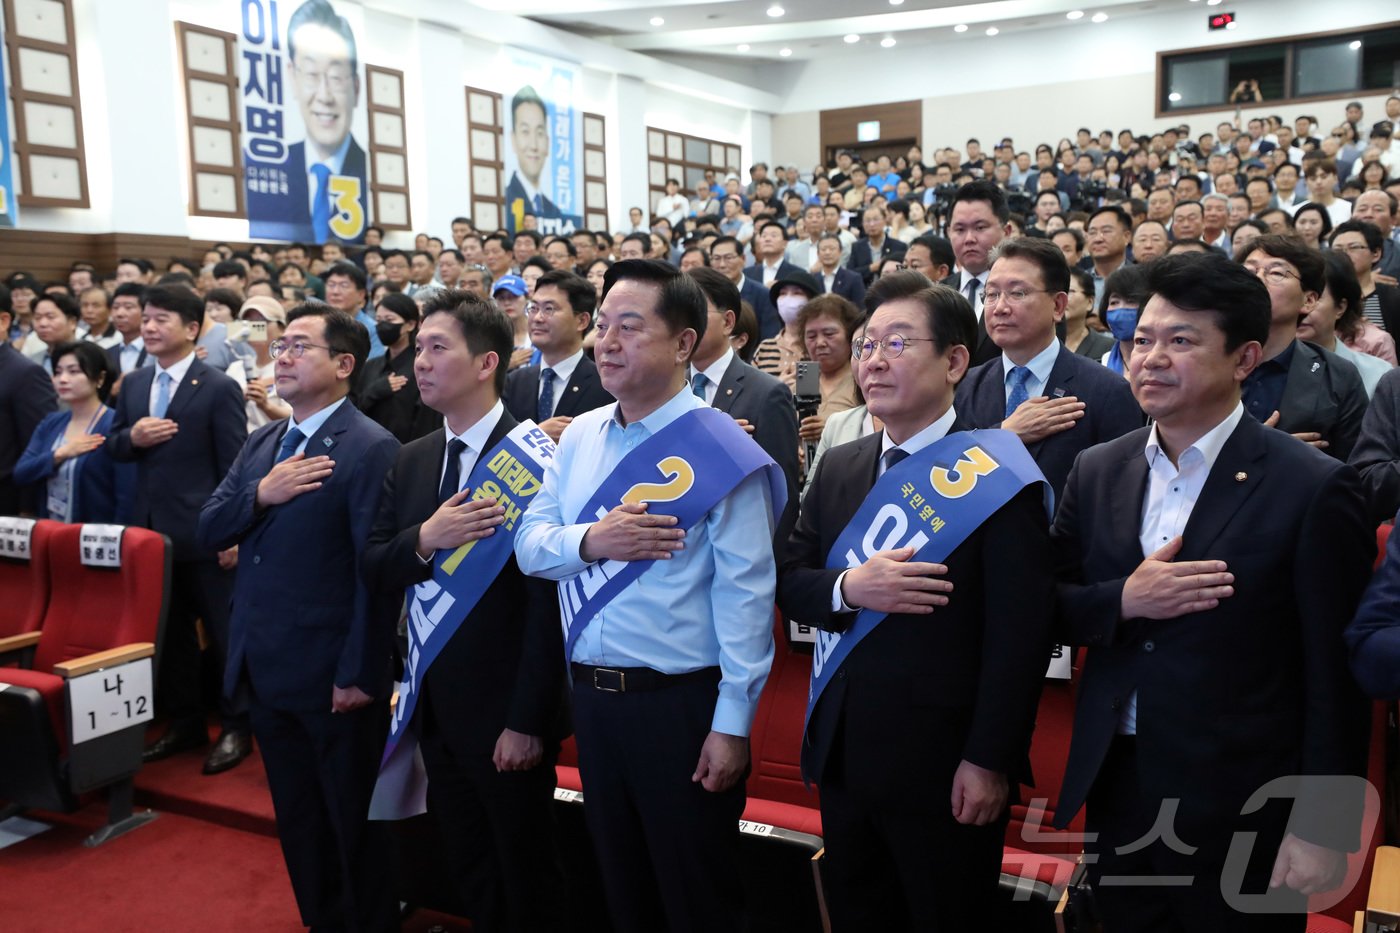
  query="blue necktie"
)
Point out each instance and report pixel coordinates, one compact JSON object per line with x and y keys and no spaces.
{"x":539,"y":206}
{"x":321,"y":204}
{"x":545,"y":411}
{"x":290,"y":442}
{"x":892,"y":457}
{"x":1019,"y":376}
{"x":697,"y":385}
{"x":162,"y":395}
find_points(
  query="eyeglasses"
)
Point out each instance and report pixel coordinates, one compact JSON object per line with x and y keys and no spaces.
{"x":1273,"y":275}
{"x":298,"y":348}
{"x":336,"y":78}
{"x":891,"y":345}
{"x":533,"y":308}
{"x":1353,"y":248}
{"x":1015,"y":296}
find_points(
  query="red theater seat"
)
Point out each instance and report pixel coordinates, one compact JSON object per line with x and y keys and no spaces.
{"x":24,"y":592}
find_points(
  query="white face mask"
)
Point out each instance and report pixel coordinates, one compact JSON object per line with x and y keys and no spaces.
{"x":790,"y":306}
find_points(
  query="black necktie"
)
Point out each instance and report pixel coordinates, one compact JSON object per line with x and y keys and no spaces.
{"x":892,"y":457}
{"x":452,"y":475}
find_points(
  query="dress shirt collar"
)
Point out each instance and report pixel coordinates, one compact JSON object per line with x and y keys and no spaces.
{"x":1208,"y":445}
{"x":336,"y":161}
{"x":680,"y":403}
{"x":476,"y":436}
{"x":314,"y":422}
{"x":716,"y":370}
{"x":934,"y":432}
{"x":178,"y":370}
{"x":564,"y":369}
{"x":1040,"y":365}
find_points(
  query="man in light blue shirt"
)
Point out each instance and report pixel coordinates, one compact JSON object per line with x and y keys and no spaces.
{"x":670,"y":670}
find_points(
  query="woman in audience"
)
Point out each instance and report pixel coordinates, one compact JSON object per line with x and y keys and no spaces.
{"x":1247,"y":231}
{"x":1047,"y":205}
{"x":1373,"y":175}
{"x":1123,"y":295}
{"x":1111,"y":167}
{"x":828,"y":324}
{"x":595,"y":272}
{"x":918,"y":220}
{"x":744,"y":339}
{"x":1361,"y":243}
{"x":220,"y":304}
{"x":778,"y":355}
{"x":83,"y":484}
{"x":1338,"y":312}
{"x":1078,"y":336}
{"x":261,"y":389}
{"x":899,"y":221}
{"x":892,"y":264}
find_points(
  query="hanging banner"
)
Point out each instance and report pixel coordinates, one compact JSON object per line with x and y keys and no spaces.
{"x":9,"y":208}
{"x":305,"y":174}
{"x":544,"y":145}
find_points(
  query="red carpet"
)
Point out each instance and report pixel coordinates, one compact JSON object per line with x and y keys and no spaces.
{"x":237,"y":799}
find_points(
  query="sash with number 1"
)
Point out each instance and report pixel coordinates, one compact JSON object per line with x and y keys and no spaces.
{"x":684,"y":470}
{"x":932,"y":500}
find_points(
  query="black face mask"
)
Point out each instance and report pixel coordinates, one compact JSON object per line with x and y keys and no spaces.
{"x":388,"y":333}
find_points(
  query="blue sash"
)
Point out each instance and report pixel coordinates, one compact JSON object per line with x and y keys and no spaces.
{"x":932,"y":500}
{"x":511,"y":473}
{"x":684,"y":470}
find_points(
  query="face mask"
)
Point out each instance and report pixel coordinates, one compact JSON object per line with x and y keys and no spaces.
{"x":789,"y":306}
{"x":1122,"y":322}
{"x":388,"y":333}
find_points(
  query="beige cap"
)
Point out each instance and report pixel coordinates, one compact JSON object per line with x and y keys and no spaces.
{"x":270,"y":308}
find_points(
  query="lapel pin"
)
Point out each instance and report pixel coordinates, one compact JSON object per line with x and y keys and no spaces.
{"x":1241,"y":477}
{"x":575,"y":388}
{"x":327,"y":441}
{"x":195,"y":382}
{"x":728,"y":391}
{"x":1316,"y":366}
{"x":1059,"y":393}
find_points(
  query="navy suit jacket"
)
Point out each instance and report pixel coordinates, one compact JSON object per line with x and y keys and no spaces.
{"x":26,"y":397}
{"x":303,"y":620}
{"x":849,"y":285}
{"x":583,"y":392}
{"x":1230,"y":698}
{"x":1376,"y":454}
{"x":1374,"y":635}
{"x":102,"y":488}
{"x":174,"y":479}
{"x":288,"y":216}
{"x":763,"y":401}
{"x":861,"y":257}
{"x":1110,"y":410}
{"x":753,"y":291}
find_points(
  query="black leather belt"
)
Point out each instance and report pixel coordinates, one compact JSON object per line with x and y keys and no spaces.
{"x":636,"y":679}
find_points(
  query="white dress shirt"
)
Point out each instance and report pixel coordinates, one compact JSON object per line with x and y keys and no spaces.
{"x":714,"y":374}
{"x":129,"y":354}
{"x":977,"y":300}
{"x":475,"y":437}
{"x":563,"y":372}
{"x":311,"y":425}
{"x":177,"y":375}
{"x":1171,"y":496}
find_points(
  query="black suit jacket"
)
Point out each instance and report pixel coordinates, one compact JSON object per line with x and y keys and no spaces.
{"x":980,"y":660}
{"x":1389,"y":296}
{"x":303,"y":620}
{"x":1230,"y":698}
{"x":861,"y":257}
{"x":1109,"y":409}
{"x":504,"y":667}
{"x":785,"y":268}
{"x":1376,"y":454}
{"x":985,"y":349}
{"x":1324,"y":393}
{"x":583,"y":392}
{"x":26,"y":396}
{"x":174,"y":479}
{"x":766,"y":403}
{"x":848,"y":284}
{"x":754,"y":292}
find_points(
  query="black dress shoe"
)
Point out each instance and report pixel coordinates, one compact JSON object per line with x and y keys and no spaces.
{"x":231,"y":748}
{"x":177,"y":738}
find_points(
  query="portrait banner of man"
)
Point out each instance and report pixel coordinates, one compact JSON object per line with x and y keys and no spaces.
{"x":544,"y":134}
{"x":306,"y":176}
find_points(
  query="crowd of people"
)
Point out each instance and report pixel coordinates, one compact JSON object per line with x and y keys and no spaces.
{"x":1179,"y":356}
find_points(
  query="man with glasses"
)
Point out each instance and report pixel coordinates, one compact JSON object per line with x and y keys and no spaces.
{"x":727,"y":255}
{"x":1056,"y":401}
{"x":309,"y":642}
{"x":565,"y":381}
{"x":919,"y":731}
{"x":1309,"y":392}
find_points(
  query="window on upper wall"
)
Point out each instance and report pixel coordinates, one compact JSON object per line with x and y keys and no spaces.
{"x":1297,"y":68}
{"x":686,"y":159}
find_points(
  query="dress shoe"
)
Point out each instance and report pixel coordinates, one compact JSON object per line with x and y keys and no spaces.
{"x":177,"y":738}
{"x":231,"y":748}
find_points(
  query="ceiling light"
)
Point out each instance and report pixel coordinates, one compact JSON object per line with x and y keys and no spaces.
{"x":775,"y":11}
{"x":1175,"y":96}
{"x":1356,"y":44}
{"x":784,"y":52}
{"x":657,"y":21}
{"x":887,"y":42}
{"x":992,"y":30}
{"x":1212,"y":2}
{"x":960,"y":27}
{"x":852,"y":38}
{"x":896,"y":2}
{"x":1100,"y":17}
{"x":743,"y":47}
{"x":1074,"y":14}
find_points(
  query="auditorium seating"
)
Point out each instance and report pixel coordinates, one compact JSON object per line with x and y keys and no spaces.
{"x":98,"y":621}
{"x":24,"y":585}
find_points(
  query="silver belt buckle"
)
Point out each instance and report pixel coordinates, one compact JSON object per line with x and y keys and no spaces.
{"x":621,"y":680}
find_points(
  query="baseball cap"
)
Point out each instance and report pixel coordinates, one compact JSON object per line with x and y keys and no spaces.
{"x":270,"y":308}
{"x":511,"y":283}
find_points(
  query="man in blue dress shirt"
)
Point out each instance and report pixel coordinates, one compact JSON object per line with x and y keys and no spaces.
{"x":667,"y":674}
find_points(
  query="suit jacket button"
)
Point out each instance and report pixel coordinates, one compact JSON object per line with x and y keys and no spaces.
{"x":1149,"y":646}
{"x":257,"y":559}
{"x":841,"y":674}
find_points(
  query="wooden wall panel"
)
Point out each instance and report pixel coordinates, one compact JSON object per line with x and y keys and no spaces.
{"x":48,"y":255}
{"x":901,"y":125}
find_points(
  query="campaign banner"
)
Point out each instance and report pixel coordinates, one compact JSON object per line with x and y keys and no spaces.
{"x":305,"y":175}
{"x":9,"y":207}
{"x":544,"y":151}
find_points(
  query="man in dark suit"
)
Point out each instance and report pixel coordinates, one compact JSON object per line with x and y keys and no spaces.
{"x":1377,"y":452}
{"x":565,"y":382}
{"x":926,"y":725}
{"x":1057,"y":402}
{"x":978,"y":221}
{"x":727,"y":255}
{"x":769,"y":250}
{"x":1210,"y":566}
{"x":1374,"y":635}
{"x":836,"y":279}
{"x":130,"y":353}
{"x":1300,"y":388}
{"x":758,"y":401}
{"x":308,"y":640}
{"x":876,"y":246}
{"x":183,"y":424}
{"x":490,"y":714}
{"x":26,"y":396}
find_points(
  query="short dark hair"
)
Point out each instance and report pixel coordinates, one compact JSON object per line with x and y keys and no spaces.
{"x":399,"y":303}
{"x":1375,"y":240}
{"x":1343,"y":286}
{"x":63,"y":301}
{"x":1084,"y":278}
{"x":483,"y":324}
{"x":746,"y":323}
{"x":720,"y":292}
{"x":899,"y":284}
{"x":582,"y":296}
{"x":939,"y":249}
{"x":1127,"y":281}
{"x":984,"y":190}
{"x":224,"y":296}
{"x":732,"y":241}
{"x":1124,"y":219}
{"x":1211,"y":283}
{"x":143,"y":264}
{"x":1054,"y":269}
{"x":230,"y":267}
{"x":420,"y":252}
{"x":773,"y":223}
{"x":178,"y":299}
{"x":350,"y":271}
{"x":124,"y":290}
{"x":643,"y":238}
{"x":532,"y":235}
{"x":1196,"y":204}
{"x":92,"y":360}
{"x":1308,"y":261}
{"x":681,"y":303}
{"x":567,"y":243}
{"x":344,"y":334}
{"x":1074,"y":232}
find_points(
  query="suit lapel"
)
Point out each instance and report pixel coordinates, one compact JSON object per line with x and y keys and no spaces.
{"x":1302,"y":393}
{"x":730,"y":385}
{"x":1237,"y":473}
{"x":583,"y":376}
{"x":989,"y":403}
{"x":1125,"y":488}
{"x":1058,"y":385}
{"x":323,"y":442}
{"x":194,"y":380}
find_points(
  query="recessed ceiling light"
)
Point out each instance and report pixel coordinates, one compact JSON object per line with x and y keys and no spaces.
{"x":1212,"y":2}
{"x":776,"y":11}
{"x":743,"y":47}
{"x":992,"y":30}
{"x":1074,"y":14}
{"x":887,"y":42}
{"x":1175,"y":96}
{"x":852,"y":38}
{"x":657,"y":21}
{"x":1100,"y":17}
{"x":784,"y":52}
{"x":896,"y":2}
{"x":1355,"y":44}
{"x":960,"y":27}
